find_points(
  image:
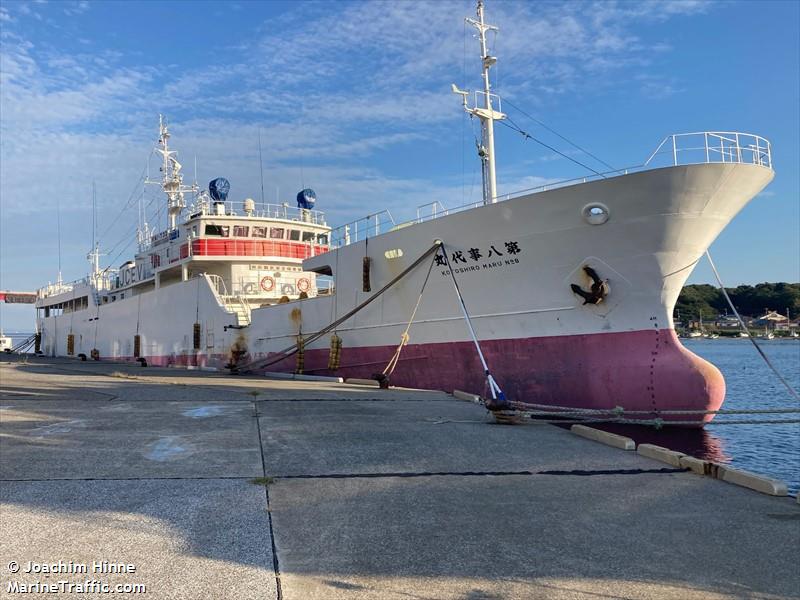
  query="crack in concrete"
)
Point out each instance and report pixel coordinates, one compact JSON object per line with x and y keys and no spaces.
{"x":407,"y":475}
{"x":275,"y":562}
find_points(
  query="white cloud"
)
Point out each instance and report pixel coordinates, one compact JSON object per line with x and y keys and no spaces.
{"x":328,"y":89}
{"x":658,"y":87}
{"x":76,"y":8}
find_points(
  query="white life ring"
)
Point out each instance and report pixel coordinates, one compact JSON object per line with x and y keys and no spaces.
{"x":249,"y":288}
{"x":303,"y":284}
{"x":267,"y":283}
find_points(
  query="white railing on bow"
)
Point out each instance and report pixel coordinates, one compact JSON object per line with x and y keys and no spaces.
{"x":712,"y":147}
{"x":675,"y":150}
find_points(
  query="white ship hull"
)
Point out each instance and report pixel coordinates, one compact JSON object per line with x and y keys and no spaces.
{"x":541,"y":342}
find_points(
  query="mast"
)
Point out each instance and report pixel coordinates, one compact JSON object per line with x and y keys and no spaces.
{"x":171,"y":177}
{"x":58,"y":226}
{"x":261,"y":169}
{"x":94,"y":253}
{"x":484,"y":109}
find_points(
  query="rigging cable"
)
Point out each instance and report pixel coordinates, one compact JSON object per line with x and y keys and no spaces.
{"x":131,"y":240}
{"x":514,"y":127}
{"x":128,"y":202}
{"x":554,"y":132}
{"x":132,"y":230}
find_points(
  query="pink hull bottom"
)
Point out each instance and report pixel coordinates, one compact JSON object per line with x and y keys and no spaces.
{"x":638,"y":370}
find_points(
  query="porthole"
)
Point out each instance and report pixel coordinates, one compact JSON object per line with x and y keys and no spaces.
{"x":595,"y":213}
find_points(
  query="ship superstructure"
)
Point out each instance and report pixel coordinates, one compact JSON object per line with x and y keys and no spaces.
{"x":568,"y":289}
{"x":251,"y":255}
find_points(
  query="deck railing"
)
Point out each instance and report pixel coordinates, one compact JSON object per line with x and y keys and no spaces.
{"x":101,"y":281}
{"x":271,"y":211}
{"x":712,"y":147}
{"x":675,"y":150}
{"x":363,"y":228}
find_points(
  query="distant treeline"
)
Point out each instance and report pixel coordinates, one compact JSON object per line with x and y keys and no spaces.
{"x":750,"y":300}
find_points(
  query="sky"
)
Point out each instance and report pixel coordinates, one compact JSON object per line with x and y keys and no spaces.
{"x":353,"y":99}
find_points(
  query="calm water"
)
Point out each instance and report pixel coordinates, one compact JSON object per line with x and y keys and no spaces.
{"x":768,"y":449}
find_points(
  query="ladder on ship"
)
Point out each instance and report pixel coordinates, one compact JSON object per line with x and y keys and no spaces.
{"x":238,"y":305}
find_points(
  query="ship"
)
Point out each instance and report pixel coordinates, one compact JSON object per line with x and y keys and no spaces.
{"x":6,"y":343}
{"x":561,"y":295}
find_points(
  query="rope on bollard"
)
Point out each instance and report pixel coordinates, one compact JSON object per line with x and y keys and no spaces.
{"x":574,"y":415}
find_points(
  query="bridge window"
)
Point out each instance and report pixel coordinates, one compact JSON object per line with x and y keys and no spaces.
{"x":308,"y":236}
{"x":259,"y":232}
{"x":276,"y":233}
{"x":322,"y":238}
{"x":240,"y":230}
{"x":217,"y":230}
{"x":294,"y":234}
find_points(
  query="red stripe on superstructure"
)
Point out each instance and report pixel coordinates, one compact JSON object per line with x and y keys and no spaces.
{"x":227,"y":247}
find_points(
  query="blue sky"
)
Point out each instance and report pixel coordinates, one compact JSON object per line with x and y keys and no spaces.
{"x":353,"y":99}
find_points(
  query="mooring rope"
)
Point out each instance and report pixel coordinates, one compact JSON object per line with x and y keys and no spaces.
{"x":659,"y":423}
{"x":545,"y":413}
{"x":618,"y":410}
{"x":561,"y":414}
{"x":792,"y":391}
{"x":404,"y":337}
{"x":294,"y":348}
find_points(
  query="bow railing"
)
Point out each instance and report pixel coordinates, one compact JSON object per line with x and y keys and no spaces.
{"x":712,"y":147}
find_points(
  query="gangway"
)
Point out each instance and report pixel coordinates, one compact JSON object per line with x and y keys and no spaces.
{"x":18,"y":297}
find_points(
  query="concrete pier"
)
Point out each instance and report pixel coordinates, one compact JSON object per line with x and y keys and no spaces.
{"x":216,"y":486}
